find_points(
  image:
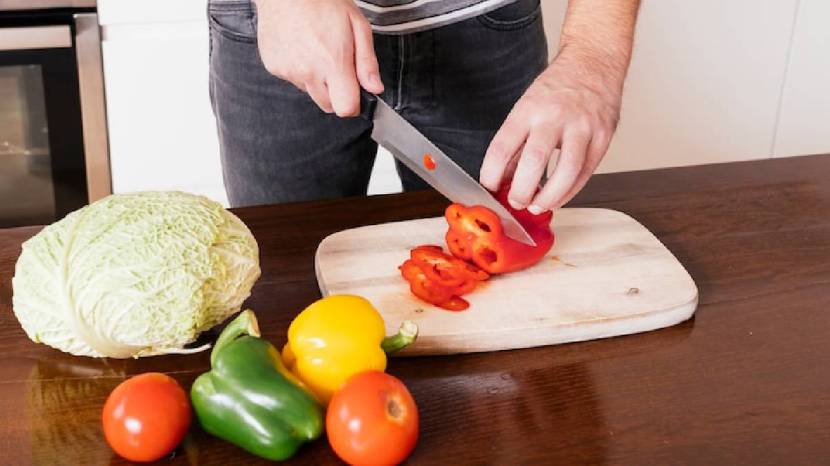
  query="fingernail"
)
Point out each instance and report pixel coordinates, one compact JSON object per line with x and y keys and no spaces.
{"x":515,"y":204}
{"x":534,"y":209}
{"x":484,"y":181}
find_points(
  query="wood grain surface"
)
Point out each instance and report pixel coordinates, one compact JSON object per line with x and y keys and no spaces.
{"x":746,"y":381}
{"x":607,"y":275}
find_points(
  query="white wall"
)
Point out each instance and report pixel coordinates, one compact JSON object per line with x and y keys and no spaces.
{"x":706,"y":79}
{"x":804,"y":121}
{"x":711,"y":81}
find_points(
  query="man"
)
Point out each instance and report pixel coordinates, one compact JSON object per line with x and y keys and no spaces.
{"x":472,"y":75}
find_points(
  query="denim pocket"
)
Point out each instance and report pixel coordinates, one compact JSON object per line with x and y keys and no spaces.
{"x":516,"y":15}
{"x":234,"y":19}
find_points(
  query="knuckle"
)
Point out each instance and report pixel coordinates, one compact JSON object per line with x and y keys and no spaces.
{"x":547,"y":127}
{"x":347,"y":110}
{"x":571,"y":164}
{"x":536,"y":155}
{"x":346,"y":106}
{"x":301,"y":75}
{"x":362,"y":24}
{"x":330,"y":60}
{"x":582,"y":125}
{"x":324,"y":106}
{"x":603,"y":136}
{"x":498,"y":151}
{"x":367,"y":61}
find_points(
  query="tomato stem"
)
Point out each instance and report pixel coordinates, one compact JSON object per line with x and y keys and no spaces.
{"x":407,"y":334}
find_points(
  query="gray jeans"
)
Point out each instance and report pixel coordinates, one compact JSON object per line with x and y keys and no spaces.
{"x":456,"y":84}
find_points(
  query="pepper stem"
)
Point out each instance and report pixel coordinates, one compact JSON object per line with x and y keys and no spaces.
{"x":244,"y":324}
{"x":407,"y":334}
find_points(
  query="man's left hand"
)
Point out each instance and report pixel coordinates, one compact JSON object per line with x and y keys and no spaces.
{"x":570,"y":107}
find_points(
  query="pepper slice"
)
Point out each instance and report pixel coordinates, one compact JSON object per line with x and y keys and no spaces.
{"x":456,"y":303}
{"x":439,"y":278}
{"x":475,"y":234}
{"x":421,"y":286}
{"x":446,"y":269}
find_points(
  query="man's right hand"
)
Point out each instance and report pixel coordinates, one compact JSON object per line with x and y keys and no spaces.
{"x":324,"y":47}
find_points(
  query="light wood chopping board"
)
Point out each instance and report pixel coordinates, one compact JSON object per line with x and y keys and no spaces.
{"x":606,"y":275}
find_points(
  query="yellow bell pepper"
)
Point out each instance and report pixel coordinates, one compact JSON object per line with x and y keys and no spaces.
{"x":337,"y":337}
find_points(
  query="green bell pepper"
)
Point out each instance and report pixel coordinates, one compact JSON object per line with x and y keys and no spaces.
{"x":250,"y":399}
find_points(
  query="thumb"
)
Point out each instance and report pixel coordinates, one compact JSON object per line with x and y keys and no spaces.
{"x":366,"y":62}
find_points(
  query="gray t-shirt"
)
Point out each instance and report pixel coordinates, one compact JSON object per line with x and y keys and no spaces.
{"x":405,"y":16}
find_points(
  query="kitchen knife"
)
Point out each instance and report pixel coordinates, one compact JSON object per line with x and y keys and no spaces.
{"x":410,"y":147}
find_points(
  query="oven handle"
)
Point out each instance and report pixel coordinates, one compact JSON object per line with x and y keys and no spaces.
{"x":93,"y":105}
{"x":38,"y":37}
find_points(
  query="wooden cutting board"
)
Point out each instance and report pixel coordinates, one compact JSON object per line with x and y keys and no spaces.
{"x":606,"y":275}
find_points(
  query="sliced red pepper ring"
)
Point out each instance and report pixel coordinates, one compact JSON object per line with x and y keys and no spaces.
{"x":423,"y":287}
{"x":446,"y":266}
{"x":458,"y":245}
{"x":430,"y":254}
{"x":445,"y":269}
{"x":444,"y":277}
{"x":456,"y":303}
{"x":410,"y":271}
{"x":446,"y":263}
{"x":473,"y":271}
{"x":477,"y":221}
{"x":480,"y":248}
{"x":467,"y":286}
{"x":433,"y":247}
{"x":476,"y":235}
{"x":439,"y":278}
{"x":431,"y":293}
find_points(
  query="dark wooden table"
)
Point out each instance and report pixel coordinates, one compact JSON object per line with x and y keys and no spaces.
{"x":747,"y":381}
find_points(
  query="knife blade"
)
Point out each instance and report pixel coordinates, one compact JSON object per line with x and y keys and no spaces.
{"x":409,"y":146}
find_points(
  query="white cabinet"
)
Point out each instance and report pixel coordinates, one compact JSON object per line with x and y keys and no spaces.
{"x":161,"y":128}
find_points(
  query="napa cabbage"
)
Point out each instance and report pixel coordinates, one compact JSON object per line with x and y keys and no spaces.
{"x":134,"y":275}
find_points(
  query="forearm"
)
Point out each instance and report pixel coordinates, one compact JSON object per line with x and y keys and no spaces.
{"x":597,"y":38}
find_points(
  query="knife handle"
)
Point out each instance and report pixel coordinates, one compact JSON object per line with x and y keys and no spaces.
{"x":368,"y":102}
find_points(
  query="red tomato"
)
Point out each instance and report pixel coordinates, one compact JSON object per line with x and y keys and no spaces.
{"x":146,"y":417}
{"x":372,"y":420}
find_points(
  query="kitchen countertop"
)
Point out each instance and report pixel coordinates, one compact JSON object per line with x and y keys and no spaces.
{"x":746,"y":381}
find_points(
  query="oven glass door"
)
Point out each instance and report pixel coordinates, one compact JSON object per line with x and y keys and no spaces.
{"x":42,"y":173}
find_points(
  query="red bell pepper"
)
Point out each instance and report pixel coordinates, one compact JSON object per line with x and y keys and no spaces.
{"x":475,"y":234}
{"x":440,"y":279}
{"x":446,"y":269}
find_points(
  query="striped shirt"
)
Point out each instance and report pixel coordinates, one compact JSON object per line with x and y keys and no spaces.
{"x":405,"y":16}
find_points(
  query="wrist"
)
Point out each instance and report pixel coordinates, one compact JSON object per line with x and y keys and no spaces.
{"x":603,"y":67}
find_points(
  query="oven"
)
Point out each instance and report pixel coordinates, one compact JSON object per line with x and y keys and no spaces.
{"x":53,"y":140}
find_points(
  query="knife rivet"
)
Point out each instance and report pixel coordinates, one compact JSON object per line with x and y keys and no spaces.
{"x":429,"y":163}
